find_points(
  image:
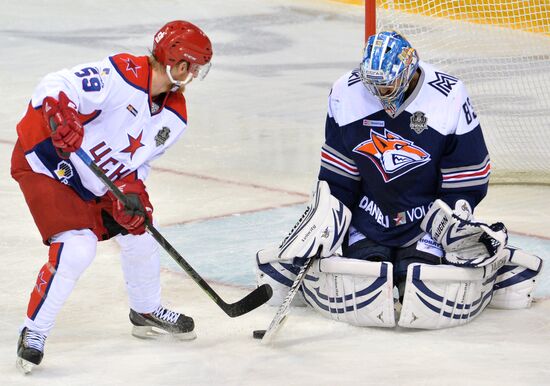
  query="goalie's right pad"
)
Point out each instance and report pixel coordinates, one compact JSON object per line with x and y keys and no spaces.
{"x":354,"y":291}
{"x":516,"y":280}
{"x":466,"y":242}
{"x":324,"y":223}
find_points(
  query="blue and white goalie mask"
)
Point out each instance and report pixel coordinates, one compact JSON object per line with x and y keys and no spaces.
{"x":388,"y":65}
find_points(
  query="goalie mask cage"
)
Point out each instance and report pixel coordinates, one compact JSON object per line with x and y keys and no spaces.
{"x":501,"y":50}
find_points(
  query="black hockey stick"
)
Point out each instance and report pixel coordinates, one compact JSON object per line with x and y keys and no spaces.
{"x":250,"y":302}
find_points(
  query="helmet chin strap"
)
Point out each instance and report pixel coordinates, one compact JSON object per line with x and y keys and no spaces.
{"x":177,"y":84}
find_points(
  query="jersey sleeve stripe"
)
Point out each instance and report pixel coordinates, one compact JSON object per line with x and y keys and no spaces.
{"x":467,"y":168}
{"x":339,"y":171}
{"x":465,"y":184}
{"x":474,"y":174}
{"x":337,"y":154}
{"x":329,"y":159}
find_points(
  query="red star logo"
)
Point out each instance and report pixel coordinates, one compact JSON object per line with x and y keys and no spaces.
{"x":131,"y":66}
{"x":135,"y":143}
{"x":40,"y":282}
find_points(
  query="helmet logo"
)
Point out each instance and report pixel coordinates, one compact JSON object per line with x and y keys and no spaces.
{"x":159,"y":36}
{"x":189,"y":56}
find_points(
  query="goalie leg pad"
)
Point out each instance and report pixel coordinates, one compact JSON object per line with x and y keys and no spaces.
{"x":516,"y":280}
{"x":280,"y":277}
{"x":354,"y":291}
{"x":441,"y":296}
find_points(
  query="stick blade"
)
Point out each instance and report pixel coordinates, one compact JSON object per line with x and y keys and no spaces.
{"x":250,"y":302}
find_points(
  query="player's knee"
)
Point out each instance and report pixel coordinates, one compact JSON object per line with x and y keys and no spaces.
{"x":137,"y":247}
{"x":72,"y":252}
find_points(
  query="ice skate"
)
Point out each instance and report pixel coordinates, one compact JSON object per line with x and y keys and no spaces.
{"x":30,"y":350}
{"x":161,"y":322}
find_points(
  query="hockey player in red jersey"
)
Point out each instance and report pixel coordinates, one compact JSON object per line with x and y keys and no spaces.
{"x":404,"y":164}
{"x":123,"y":111}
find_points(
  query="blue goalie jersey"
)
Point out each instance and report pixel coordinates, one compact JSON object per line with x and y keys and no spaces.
{"x":389,"y":170}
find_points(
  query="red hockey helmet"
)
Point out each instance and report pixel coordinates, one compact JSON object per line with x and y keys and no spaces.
{"x":180,"y":40}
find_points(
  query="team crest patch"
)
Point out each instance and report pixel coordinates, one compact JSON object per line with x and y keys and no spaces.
{"x":64,"y":171}
{"x":392,"y":155}
{"x":162,"y":136}
{"x":419,"y":122}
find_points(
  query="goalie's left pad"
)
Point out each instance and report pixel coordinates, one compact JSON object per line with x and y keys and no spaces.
{"x":353,"y":291}
{"x":323,"y":224}
{"x":466,"y":242}
{"x":441,"y":296}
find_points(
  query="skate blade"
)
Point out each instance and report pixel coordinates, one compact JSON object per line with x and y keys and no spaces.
{"x":148,"y":332}
{"x":24,"y":366}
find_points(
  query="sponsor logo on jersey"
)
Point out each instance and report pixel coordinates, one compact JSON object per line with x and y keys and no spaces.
{"x":419,"y":122}
{"x":132,"y":110}
{"x":392,"y":155}
{"x":372,"y":123}
{"x":162,"y":136}
{"x":64,"y":172}
{"x":444,"y":83}
{"x":370,"y":207}
{"x":411,"y":215}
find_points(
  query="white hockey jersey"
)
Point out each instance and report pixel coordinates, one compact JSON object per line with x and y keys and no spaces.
{"x":124,"y":129}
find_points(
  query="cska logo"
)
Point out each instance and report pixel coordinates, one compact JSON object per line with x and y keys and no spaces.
{"x":392,"y":155}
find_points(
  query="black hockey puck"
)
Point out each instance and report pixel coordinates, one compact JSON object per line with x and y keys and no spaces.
{"x":258,"y":334}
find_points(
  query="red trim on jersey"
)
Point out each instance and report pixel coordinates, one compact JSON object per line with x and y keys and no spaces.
{"x":32,"y":128}
{"x":133,"y":69}
{"x":176,"y":103}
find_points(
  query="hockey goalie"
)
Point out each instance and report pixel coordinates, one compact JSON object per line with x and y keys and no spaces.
{"x":391,"y":221}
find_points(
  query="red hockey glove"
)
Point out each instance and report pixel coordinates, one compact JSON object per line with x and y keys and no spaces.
{"x":63,"y":121}
{"x":132,"y":218}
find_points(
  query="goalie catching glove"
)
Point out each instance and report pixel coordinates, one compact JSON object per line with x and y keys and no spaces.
{"x":323,"y":224}
{"x":466,"y":242}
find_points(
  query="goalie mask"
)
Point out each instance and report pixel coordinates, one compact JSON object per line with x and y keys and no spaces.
{"x":179,"y":41}
{"x":388,"y":65}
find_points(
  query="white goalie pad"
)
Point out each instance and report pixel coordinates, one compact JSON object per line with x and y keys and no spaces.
{"x":323,"y":224}
{"x":280,"y":277}
{"x":354,"y":291}
{"x":516,"y":280}
{"x":441,"y":296}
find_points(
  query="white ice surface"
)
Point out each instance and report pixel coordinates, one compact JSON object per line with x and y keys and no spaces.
{"x":234,"y":183}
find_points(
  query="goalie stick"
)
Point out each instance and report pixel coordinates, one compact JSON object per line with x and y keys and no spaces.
{"x":250,"y":302}
{"x":284,"y":309}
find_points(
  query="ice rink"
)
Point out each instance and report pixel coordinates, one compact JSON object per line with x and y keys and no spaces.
{"x":236,"y":182}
